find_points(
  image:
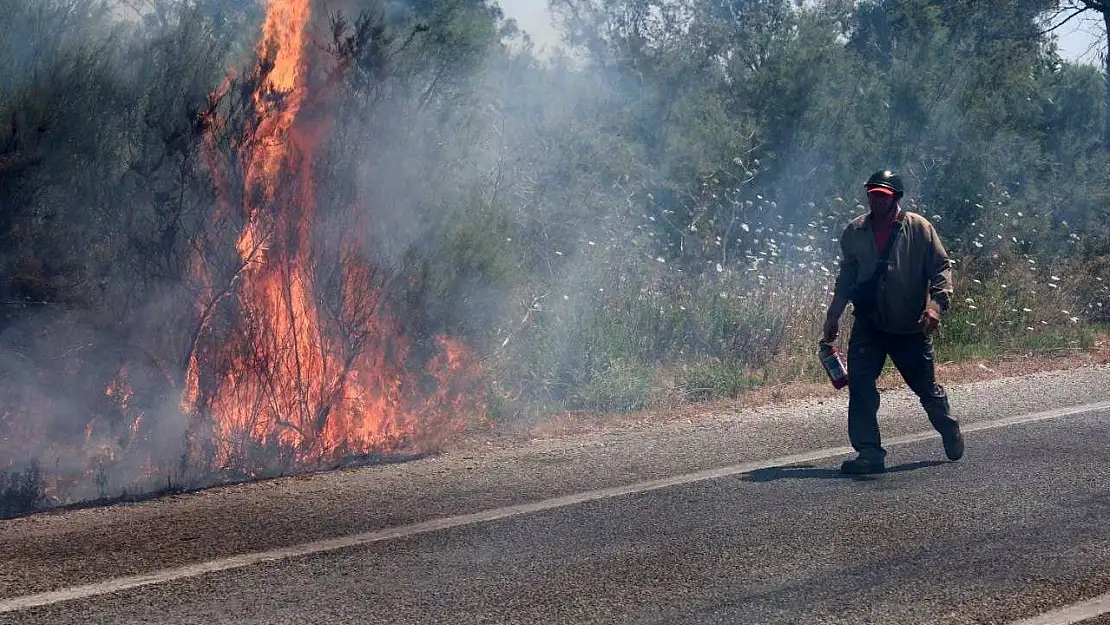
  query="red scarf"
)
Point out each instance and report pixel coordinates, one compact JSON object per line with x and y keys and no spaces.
{"x":882,"y":232}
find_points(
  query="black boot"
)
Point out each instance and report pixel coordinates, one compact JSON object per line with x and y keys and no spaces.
{"x":953,"y":444}
{"x":862,"y":466}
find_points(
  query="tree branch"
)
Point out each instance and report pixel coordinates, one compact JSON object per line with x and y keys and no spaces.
{"x":1078,"y":11}
{"x":1102,"y":6}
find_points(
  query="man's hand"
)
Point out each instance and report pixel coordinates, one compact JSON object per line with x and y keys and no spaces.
{"x":831,"y":328}
{"x":930,"y":320}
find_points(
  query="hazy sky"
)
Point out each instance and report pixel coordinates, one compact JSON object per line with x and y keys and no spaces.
{"x":1078,"y":38}
{"x":533,"y":18}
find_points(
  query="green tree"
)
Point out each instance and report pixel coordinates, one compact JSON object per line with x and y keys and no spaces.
{"x":1063,"y":11}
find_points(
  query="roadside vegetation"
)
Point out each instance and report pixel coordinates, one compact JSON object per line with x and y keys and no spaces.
{"x":646,"y":220}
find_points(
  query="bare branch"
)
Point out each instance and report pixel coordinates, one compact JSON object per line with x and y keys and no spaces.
{"x":1067,"y":19}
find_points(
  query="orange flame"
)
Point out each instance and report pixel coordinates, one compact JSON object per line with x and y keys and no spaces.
{"x":287,"y":375}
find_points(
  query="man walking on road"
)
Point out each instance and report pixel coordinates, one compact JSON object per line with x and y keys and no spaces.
{"x":897,"y":304}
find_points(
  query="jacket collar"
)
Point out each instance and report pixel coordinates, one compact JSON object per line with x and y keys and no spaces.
{"x":866,"y":222}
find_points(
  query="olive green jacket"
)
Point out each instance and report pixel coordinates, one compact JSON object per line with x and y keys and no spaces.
{"x":920,"y":272}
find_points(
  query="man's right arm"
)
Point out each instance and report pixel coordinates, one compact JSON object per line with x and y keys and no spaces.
{"x":845,"y":280}
{"x":836,"y":307}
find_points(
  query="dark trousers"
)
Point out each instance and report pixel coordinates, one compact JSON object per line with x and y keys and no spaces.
{"x":912,"y":355}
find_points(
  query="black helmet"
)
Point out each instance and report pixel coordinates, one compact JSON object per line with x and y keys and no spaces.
{"x":885,"y":179}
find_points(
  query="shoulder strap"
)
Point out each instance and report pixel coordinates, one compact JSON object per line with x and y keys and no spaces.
{"x":883,"y":265}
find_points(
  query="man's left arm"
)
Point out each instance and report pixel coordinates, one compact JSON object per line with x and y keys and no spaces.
{"x":939,"y":269}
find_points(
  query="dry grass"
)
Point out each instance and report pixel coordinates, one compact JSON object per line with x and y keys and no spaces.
{"x":567,"y":424}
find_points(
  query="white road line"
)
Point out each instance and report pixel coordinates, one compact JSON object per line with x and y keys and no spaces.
{"x":354,"y":540}
{"x":1071,"y":614}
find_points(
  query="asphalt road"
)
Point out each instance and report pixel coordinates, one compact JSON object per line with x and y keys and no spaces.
{"x":1020,"y":526}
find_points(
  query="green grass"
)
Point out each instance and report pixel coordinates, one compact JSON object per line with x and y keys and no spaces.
{"x":1046,"y":341}
{"x":717,"y":379}
{"x":680,"y":339}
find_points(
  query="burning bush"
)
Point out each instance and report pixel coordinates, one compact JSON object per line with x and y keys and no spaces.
{"x":267,"y":339}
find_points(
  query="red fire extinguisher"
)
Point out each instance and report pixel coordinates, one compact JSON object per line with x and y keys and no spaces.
{"x":833,"y":364}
